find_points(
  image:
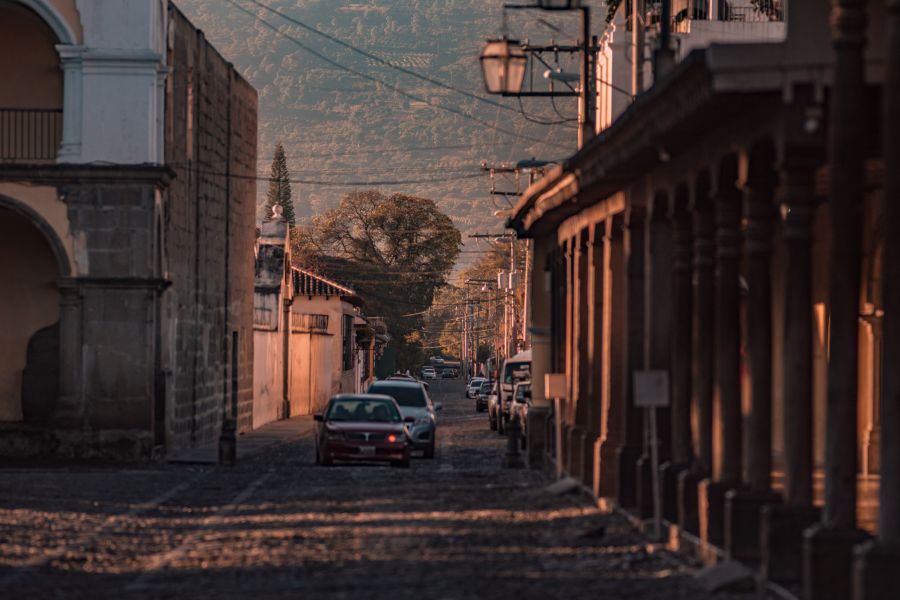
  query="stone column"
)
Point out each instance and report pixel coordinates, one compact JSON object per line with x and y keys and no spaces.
{"x":726,"y":466}
{"x":69,"y":410}
{"x":828,"y":547}
{"x":614,"y":355}
{"x":682,"y":452}
{"x":632,"y":310}
{"x":71,"y":63}
{"x":742,"y":511}
{"x":658,"y":334}
{"x":539,"y":412}
{"x":783,"y":526}
{"x":596,"y":364}
{"x":703,"y":362}
{"x":581,"y":363}
{"x":569,"y":340}
{"x":876,"y":563}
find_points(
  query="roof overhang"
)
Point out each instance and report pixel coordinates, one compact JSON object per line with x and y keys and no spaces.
{"x":710,"y":88}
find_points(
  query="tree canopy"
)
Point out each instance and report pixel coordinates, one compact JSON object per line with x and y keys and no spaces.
{"x":280,"y":187}
{"x":395,"y":251}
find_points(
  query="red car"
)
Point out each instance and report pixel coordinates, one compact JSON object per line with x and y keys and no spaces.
{"x":362,"y":427}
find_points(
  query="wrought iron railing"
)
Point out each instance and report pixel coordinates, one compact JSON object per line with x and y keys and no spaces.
{"x":748,"y":11}
{"x":28,"y":134}
{"x":309,"y":322}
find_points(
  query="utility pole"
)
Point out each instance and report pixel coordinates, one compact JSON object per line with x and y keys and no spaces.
{"x":637,"y":47}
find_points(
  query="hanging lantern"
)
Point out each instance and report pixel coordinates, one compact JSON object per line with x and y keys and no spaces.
{"x":503,"y":66}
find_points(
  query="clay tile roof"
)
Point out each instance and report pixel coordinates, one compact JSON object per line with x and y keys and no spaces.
{"x":307,"y":283}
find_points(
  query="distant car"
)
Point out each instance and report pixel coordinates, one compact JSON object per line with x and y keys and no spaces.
{"x":482,"y":395}
{"x":448,"y":374}
{"x":413,"y":400}
{"x":515,"y":369}
{"x":429,"y":373}
{"x":520,"y":405}
{"x":474,"y":386}
{"x":362,"y":427}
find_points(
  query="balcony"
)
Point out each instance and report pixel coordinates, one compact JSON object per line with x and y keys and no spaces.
{"x":30,"y":135}
{"x":301,"y":323}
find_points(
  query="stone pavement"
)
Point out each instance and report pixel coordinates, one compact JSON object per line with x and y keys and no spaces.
{"x":252,"y":442}
{"x":278,"y":526}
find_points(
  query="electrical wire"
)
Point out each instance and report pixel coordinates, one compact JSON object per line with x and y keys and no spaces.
{"x":380,"y":60}
{"x":328,"y":183}
{"x":389,"y":86}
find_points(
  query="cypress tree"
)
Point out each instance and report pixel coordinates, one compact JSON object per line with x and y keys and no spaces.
{"x":280,"y":187}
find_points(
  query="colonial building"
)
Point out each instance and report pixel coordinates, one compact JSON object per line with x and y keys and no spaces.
{"x":737,"y":227}
{"x":127,"y":194}
{"x":310,"y":340}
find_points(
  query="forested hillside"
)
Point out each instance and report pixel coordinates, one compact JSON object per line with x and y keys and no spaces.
{"x":340,"y":127}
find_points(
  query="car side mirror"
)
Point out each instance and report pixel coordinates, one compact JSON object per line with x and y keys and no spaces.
{"x":409,"y":419}
{"x":319,"y":418}
{"x":438,"y":406}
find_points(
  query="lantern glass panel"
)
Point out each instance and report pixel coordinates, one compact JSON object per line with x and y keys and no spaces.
{"x":503,"y":65}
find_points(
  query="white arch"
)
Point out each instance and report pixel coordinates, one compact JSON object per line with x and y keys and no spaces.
{"x":54,"y":20}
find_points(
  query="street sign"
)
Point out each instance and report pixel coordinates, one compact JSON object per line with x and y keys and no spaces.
{"x":651,"y":391}
{"x":651,"y":388}
{"x":555,"y":385}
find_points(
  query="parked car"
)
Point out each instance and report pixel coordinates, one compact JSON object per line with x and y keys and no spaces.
{"x":474,"y":387}
{"x":363,"y":427}
{"x":493,"y":405}
{"x":413,"y":400}
{"x":429,"y":373}
{"x":481,"y":396}
{"x":520,"y":405}
{"x":515,"y":369}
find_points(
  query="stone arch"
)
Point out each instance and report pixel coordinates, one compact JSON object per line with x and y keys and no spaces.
{"x":52,"y":17}
{"x":30,"y":267}
{"x":41,"y":224}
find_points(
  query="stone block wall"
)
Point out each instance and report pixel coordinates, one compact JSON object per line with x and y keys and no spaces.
{"x":209,"y":225}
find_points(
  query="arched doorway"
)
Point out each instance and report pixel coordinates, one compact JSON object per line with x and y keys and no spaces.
{"x":29,"y":316}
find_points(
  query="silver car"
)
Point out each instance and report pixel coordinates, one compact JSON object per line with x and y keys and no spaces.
{"x":474,"y":387}
{"x":414,"y":402}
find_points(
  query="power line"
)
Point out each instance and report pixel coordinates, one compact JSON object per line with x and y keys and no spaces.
{"x":390,"y":86}
{"x":329,"y":183}
{"x":380,"y":60}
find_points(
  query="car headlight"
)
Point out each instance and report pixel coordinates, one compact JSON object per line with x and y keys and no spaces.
{"x":396,"y":438}
{"x":333,"y":435}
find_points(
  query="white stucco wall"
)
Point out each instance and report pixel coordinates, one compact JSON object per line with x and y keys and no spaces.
{"x":316,"y":358}
{"x":268,"y":378}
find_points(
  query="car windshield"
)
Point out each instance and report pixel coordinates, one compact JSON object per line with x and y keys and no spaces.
{"x":357,"y":409}
{"x":516,"y":372}
{"x":405,"y":395}
{"x":486,"y":387}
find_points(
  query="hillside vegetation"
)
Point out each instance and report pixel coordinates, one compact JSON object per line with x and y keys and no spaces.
{"x":337,"y":126}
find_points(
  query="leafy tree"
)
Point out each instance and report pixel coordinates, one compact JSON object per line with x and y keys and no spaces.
{"x":396,"y":251}
{"x":280,"y":187}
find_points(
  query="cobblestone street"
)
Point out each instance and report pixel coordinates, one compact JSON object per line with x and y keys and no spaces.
{"x":276,"y":526}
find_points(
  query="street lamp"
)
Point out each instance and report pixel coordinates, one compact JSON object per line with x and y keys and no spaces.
{"x":503,"y":65}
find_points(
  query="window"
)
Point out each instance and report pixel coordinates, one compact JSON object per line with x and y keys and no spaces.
{"x":347,"y":336}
